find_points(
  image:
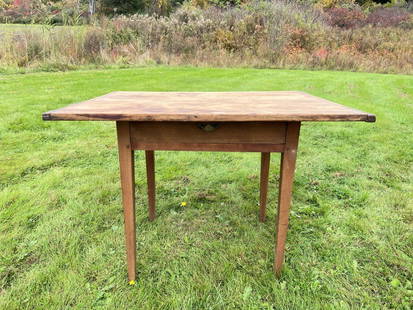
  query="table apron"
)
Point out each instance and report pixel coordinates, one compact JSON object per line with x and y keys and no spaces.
{"x":217,"y":136}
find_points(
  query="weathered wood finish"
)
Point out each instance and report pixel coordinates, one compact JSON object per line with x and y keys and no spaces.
{"x":226,"y":132}
{"x":265,"y":167}
{"x":235,"y":121}
{"x":150,"y":177}
{"x":208,"y":107}
{"x":287,"y":169}
{"x":228,"y":136}
{"x":211,"y":147}
{"x":127,"y":179}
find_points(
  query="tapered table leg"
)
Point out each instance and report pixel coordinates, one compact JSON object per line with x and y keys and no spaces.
{"x":288,"y":158}
{"x":150,"y":177}
{"x":265,"y":166}
{"x":127,"y":178}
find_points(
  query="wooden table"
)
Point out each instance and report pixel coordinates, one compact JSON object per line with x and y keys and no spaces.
{"x":207,"y":121}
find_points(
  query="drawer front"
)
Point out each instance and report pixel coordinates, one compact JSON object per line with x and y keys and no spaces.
{"x":207,"y":136}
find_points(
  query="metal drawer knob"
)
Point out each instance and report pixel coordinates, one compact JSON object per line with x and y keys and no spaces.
{"x":208,"y":127}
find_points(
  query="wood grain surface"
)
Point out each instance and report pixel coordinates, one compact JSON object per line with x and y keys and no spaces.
{"x":127,"y":180}
{"x":265,"y":169}
{"x":208,"y":107}
{"x":225,"y":132}
{"x":287,"y":168}
{"x":223,"y":136}
{"x":150,"y":180}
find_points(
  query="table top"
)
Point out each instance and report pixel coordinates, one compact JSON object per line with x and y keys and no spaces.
{"x":208,"y":107}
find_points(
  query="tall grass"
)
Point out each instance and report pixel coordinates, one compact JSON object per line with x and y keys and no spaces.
{"x":259,"y":34}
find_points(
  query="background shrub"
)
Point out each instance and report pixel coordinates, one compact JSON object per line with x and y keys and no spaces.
{"x":389,"y":17}
{"x":93,"y":44}
{"x":278,"y":34}
{"x":345,"y":18}
{"x":66,"y":12}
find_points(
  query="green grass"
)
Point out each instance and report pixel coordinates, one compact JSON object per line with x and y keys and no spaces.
{"x":5,"y":27}
{"x":14,"y":27}
{"x":350,"y":243}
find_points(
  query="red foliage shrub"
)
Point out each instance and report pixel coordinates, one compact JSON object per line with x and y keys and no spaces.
{"x":388,"y":17}
{"x":321,"y":53}
{"x":345,"y":18}
{"x":22,"y":4}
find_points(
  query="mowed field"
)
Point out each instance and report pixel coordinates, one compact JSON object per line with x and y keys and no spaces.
{"x":350,"y":243}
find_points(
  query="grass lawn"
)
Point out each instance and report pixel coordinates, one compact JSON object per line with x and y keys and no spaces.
{"x":350,"y":242}
{"x":14,"y":27}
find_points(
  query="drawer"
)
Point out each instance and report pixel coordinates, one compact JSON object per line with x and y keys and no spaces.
{"x":221,"y":136}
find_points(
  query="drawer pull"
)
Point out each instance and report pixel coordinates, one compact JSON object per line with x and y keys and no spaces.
{"x":208,"y":127}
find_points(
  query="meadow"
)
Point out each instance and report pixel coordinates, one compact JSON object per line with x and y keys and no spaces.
{"x":350,"y":243}
{"x":259,"y":34}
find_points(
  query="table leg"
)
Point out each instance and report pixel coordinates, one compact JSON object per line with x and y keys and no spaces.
{"x":287,"y":168}
{"x":150,"y":177}
{"x":127,"y":179}
{"x":265,"y":166}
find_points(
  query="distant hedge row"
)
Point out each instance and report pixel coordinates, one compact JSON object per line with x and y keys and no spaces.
{"x":257,"y":34}
{"x":70,"y":12}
